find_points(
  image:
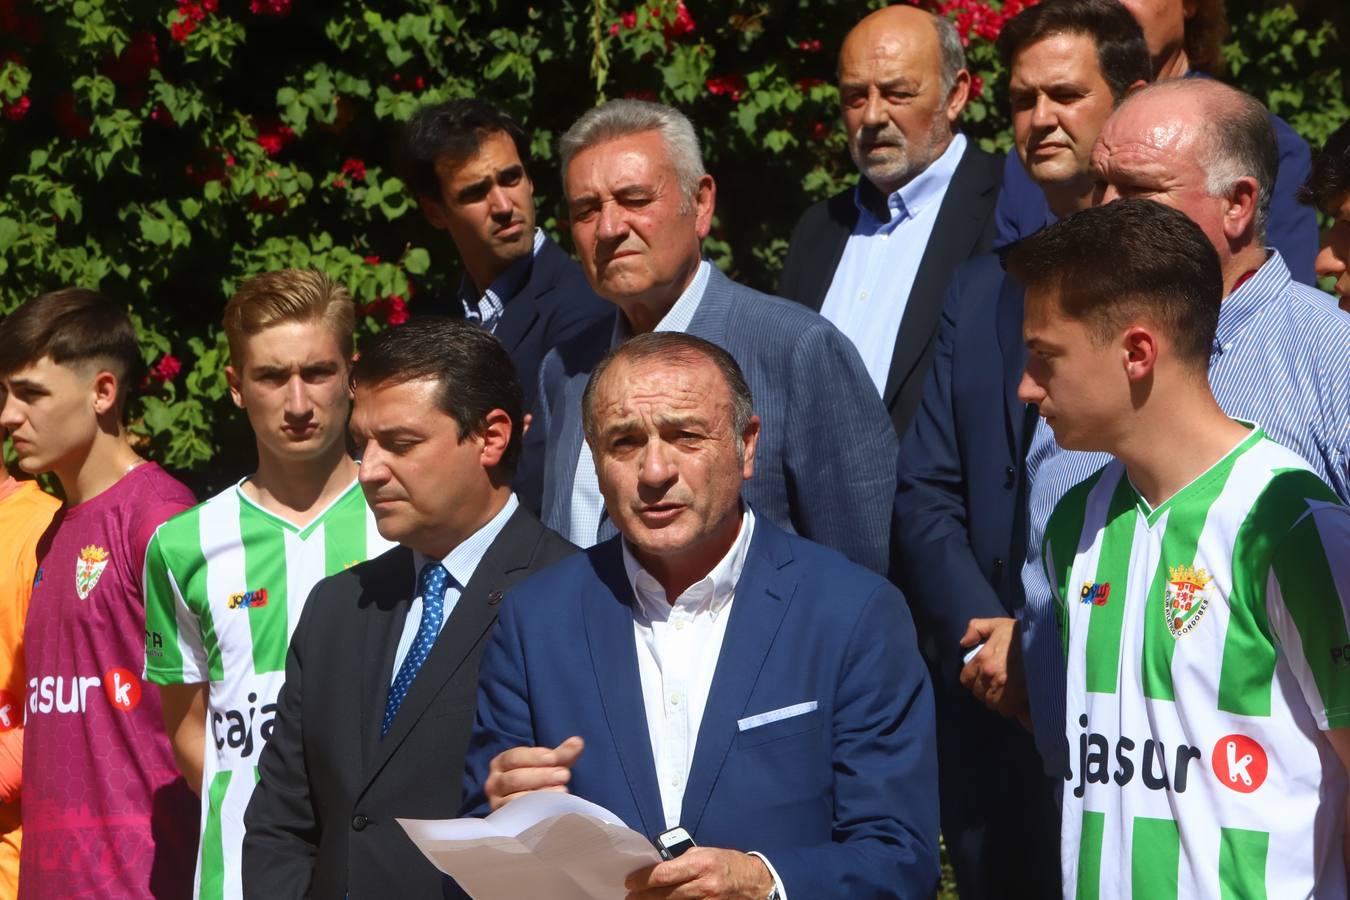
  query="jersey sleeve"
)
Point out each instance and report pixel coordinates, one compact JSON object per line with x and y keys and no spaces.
{"x":174,"y":650}
{"x":1307,"y":598}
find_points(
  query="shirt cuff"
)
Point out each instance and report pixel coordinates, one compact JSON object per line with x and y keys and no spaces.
{"x":777,"y":882}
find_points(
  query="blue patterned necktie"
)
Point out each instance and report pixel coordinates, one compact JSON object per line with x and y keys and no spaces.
{"x":431,"y":585}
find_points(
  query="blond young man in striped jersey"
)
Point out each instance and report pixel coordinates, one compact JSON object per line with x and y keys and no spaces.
{"x":226,"y":580}
{"x":1201,"y":578}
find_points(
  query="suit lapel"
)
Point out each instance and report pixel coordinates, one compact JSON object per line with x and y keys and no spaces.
{"x":522,"y":311}
{"x":569,"y":441}
{"x":762,"y":597}
{"x":1008,"y":322}
{"x":842,"y":216}
{"x":473,"y":615}
{"x":956,"y":232}
{"x":613,"y":648}
{"x":386,"y":594}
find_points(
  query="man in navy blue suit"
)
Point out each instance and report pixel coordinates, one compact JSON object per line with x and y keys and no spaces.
{"x":959,"y":512}
{"x":708,"y":670}
{"x":640,"y":204}
{"x":467,"y":163}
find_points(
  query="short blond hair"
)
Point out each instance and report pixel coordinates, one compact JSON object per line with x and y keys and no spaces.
{"x":289,"y":295}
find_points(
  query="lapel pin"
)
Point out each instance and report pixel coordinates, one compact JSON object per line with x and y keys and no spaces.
{"x":494,"y":598}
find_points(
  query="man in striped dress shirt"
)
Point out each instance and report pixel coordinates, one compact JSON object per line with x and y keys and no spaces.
{"x":1280,"y":355}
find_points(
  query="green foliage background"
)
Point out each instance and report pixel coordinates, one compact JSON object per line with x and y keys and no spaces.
{"x":162,"y":151}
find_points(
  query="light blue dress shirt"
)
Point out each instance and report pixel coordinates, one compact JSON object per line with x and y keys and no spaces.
{"x":871,"y":285}
{"x":1282,"y":358}
{"x":488,"y":309}
{"x":461,"y":564}
{"x":587,"y":505}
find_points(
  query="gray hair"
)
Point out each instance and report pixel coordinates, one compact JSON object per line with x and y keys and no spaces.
{"x":621,"y":118}
{"x":1238,"y":140}
{"x":678,"y":349}
{"x":953,"y":55}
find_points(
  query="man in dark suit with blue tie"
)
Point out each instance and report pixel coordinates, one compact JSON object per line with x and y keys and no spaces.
{"x":382,"y":671}
{"x":640,"y":204}
{"x":708,"y":670}
{"x":468,"y":163}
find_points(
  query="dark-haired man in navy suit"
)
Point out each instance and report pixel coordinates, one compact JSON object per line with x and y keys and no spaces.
{"x":710,"y":671}
{"x":468,"y":163}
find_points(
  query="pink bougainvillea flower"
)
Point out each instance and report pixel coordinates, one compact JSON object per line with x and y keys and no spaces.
{"x":731,"y":85}
{"x":372,"y":260}
{"x":976,"y":85}
{"x":269,"y":7}
{"x":355,"y":169}
{"x":805,"y":84}
{"x":810,"y":46}
{"x":167,"y":368}
{"x":681,"y":25}
{"x":18,"y":109}
{"x":274,"y":138}
{"x":820,"y":131}
{"x":395,"y":310}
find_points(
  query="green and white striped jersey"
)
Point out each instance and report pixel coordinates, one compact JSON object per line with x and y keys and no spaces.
{"x":1207,"y":649}
{"x":225,"y":584}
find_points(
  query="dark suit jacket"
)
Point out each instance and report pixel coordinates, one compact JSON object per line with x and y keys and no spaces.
{"x":964,"y":228}
{"x":321,"y":821}
{"x":960,"y":505}
{"x":824,"y":466}
{"x":555,"y":304}
{"x":840,"y":797}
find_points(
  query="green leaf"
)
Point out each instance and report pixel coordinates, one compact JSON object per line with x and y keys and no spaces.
{"x":417,"y":261}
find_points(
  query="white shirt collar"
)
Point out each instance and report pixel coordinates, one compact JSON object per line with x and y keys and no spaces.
{"x":928,"y":186}
{"x":462,"y":561}
{"x":711,"y":593}
{"x":678,"y":317}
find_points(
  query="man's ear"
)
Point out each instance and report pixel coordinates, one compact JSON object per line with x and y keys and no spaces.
{"x":105,"y":390}
{"x":958,"y":96}
{"x":705,"y":204}
{"x":751,"y":441}
{"x":496,"y":437}
{"x":1140,"y":347}
{"x":234,"y":380}
{"x":434,"y":212}
{"x":1241,"y":212}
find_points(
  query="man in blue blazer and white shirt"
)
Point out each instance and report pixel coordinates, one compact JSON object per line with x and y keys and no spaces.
{"x":640,"y":204}
{"x":710,"y":671}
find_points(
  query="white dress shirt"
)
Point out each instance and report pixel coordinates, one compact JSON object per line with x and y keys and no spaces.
{"x":677,"y":649}
{"x":587,"y":505}
{"x":870,"y":290}
{"x":461,"y":563}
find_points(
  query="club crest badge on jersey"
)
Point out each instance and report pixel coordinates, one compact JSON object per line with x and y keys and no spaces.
{"x":88,"y":568}
{"x":1187,"y":597}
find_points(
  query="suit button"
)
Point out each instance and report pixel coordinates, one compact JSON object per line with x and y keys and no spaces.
{"x":359,"y":822}
{"x":1009,"y":476}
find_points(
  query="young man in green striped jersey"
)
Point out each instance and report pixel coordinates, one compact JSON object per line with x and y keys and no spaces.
{"x":1202,"y":580}
{"x":225,"y":581}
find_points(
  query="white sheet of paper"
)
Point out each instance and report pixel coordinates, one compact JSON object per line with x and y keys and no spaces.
{"x":540,"y":845}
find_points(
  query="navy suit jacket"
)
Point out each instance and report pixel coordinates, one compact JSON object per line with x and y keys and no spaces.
{"x":1291,"y":227}
{"x":842,"y":800}
{"x":960,"y":506}
{"x":964,"y":228}
{"x":555,"y":304}
{"x":825,"y":463}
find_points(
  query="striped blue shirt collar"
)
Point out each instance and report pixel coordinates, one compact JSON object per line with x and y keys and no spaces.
{"x":488,"y":307}
{"x":1265,"y":287}
{"x":678,"y":317}
{"x":929,"y":186}
{"x":462,"y":561}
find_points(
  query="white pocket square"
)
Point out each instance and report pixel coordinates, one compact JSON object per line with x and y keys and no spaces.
{"x":775,"y":715}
